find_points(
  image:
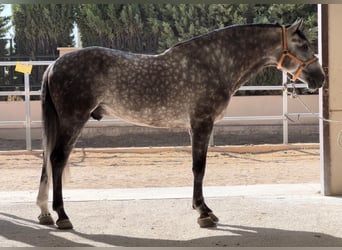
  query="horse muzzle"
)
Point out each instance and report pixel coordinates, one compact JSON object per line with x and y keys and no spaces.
{"x":313,"y":76}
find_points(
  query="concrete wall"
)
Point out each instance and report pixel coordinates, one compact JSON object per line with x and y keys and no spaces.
{"x":332,"y":171}
{"x":66,"y":50}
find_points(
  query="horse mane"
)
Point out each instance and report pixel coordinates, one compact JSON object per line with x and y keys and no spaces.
{"x":225,"y":28}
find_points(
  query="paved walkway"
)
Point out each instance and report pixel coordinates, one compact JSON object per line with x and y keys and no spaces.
{"x":259,"y":215}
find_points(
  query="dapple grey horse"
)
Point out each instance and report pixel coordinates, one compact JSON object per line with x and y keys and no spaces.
{"x":187,"y":86}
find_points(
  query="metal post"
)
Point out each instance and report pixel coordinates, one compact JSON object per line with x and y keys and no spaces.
{"x":285,"y":112}
{"x":324,"y":107}
{"x":27,"y":112}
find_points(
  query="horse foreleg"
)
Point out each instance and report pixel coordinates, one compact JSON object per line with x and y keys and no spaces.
{"x":43,"y":196}
{"x":200,"y":134}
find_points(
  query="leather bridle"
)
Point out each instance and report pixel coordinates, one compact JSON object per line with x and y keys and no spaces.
{"x":286,"y":53}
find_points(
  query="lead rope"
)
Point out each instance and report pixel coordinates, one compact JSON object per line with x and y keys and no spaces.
{"x":294,"y":95}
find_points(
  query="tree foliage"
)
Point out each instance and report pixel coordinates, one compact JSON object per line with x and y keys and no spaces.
{"x":41,"y":28}
{"x":132,"y":26}
{"x":4,"y":28}
{"x":144,"y":28}
{"x":152,"y":28}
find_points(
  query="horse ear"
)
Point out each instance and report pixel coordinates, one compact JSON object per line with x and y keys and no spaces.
{"x":297,"y":25}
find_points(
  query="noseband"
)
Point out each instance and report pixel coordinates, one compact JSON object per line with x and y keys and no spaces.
{"x":286,"y":53}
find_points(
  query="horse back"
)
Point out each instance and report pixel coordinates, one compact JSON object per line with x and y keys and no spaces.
{"x":155,"y":90}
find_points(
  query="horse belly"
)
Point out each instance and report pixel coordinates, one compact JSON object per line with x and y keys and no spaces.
{"x":149,"y":102}
{"x":150,"y":117}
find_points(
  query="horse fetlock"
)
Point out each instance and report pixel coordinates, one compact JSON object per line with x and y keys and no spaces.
{"x":201,"y":207}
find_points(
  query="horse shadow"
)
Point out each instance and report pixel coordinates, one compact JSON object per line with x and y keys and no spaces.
{"x":28,"y":232}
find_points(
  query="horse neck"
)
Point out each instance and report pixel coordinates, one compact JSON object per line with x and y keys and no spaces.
{"x":250,"y":50}
{"x":257,"y":43}
{"x":237,"y":53}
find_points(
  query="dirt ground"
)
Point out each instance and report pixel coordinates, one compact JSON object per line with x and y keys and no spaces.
{"x":165,"y":167}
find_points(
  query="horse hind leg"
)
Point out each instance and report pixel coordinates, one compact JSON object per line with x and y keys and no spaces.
{"x":45,"y":217}
{"x":200,"y":135}
{"x":59,"y":157}
{"x":54,"y":164}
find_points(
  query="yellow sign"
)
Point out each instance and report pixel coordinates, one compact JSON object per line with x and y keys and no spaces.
{"x":23,"y":68}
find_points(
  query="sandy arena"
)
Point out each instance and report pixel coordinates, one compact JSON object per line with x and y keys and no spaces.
{"x":167,"y":167}
{"x":265,"y":195}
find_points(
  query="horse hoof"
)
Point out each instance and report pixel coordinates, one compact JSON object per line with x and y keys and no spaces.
{"x":206,"y":222}
{"x":64,"y":224}
{"x":213,"y":217}
{"x":46,"y":219}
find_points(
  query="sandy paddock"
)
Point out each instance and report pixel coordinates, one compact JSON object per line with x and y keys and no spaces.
{"x":165,"y":167}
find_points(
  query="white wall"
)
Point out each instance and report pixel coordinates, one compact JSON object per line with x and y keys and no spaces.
{"x":239,"y":106}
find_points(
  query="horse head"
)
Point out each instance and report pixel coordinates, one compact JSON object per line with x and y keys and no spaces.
{"x":298,"y":57}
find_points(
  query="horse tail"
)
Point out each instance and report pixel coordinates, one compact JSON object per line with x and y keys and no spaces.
{"x":49,"y":118}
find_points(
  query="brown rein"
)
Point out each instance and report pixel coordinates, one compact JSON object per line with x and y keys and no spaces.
{"x":286,"y":53}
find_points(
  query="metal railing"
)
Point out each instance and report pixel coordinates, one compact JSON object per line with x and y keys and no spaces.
{"x":27,"y":93}
{"x":285,"y":117}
